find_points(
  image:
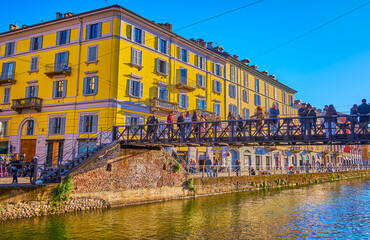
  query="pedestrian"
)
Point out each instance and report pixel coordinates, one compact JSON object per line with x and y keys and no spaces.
{"x":170,"y":125}
{"x":215,"y":168}
{"x":331,"y":119}
{"x":274,"y":113}
{"x":353,"y":113}
{"x":188,"y":118}
{"x":195,"y":123}
{"x":240,"y":126}
{"x":363,"y":109}
{"x":181,"y":125}
{"x":202,"y":127}
{"x":311,"y":121}
{"x":237,"y":167}
{"x":230,"y":116}
{"x":253,"y":172}
{"x":33,"y":169}
{"x":208,"y":164}
{"x":302,"y":115}
{"x":149,"y":127}
{"x":259,"y":115}
{"x":217,"y":127}
{"x":15,"y":165}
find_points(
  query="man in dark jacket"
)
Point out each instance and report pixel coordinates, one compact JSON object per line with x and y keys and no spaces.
{"x":302,"y":114}
{"x":181,"y":125}
{"x":364,"y":108}
{"x":274,"y":113}
{"x":208,"y":164}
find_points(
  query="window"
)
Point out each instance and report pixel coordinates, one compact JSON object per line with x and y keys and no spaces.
{"x":90,"y":85}
{"x":88,"y":123}
{"x":93,"y":31}
{"x":9,"y":49}
{"x":92,"y":54}
{"x":6,"y":98}
{"x":135,"y":88}
{"x":184,"y":76}
{"x":164,"y":46}
{"x":284,"y":109}
{"x":139,"y":36}
{"x":30,"y":127}
{"x":8,"y":70}
{"x":163,"y":93}
{"x":61,"y":61}
{"x":201,"y":80}
{"x":257,"y":85}
{"x":63,"y":37}
{"x":246,"y":113}
{"x":257,"y":100}
{"x":217,"y":86}
{"x":266,"y":89}
{"x":184,"y":55}
{"x":232,"y":73}
{"x":291,"y":103}
{"x":136,"y":58}
{"x":32,"y":91}
{"x":275,"y":93}
{"x":232,"y":90}
{"x":36,"y":43}
{"x":34,"y":64}
{"x":201,"y":62}
{"x":267,"y":104}
{"x":134,"y":120}
{"x":162,"y":66}
{"x":57,"y":125}
{"x":218,"y":70}
{"x":202,"y":104}
{"x":59,"y":89}
{"x":3,"y":128}
{"x":233,"y":109}
{"x":245,"y":95}
{"x":217,"y":108}
{"x":284,"y":97}
{"x":246,"y":80}
{"x":184,"y":100}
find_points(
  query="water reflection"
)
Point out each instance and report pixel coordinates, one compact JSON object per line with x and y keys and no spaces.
{"x":337,"y":210}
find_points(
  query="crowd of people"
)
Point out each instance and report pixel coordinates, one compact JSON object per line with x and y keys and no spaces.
{"x":15,"y":166}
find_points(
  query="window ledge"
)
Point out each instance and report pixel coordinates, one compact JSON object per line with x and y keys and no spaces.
{"x":162,"y":74}
{"x":202,"y":87}
{"x":184,"y":108}
{"x":136,"y":65}
{"x":219,"y":93}
{"x":33,"y":71}
{"x":90,"y":94}
{"x":91,"y":62}
{"x":135,"y":96}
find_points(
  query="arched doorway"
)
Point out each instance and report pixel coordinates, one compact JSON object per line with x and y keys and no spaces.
{"x":27,"y":138}
{"x":247,"y":161}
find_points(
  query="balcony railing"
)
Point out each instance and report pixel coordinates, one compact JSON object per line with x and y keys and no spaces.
{"x":186,"y":84}
{"x":61,"y":68}
{"x":157,"y":104}
{"x":7,"y":77}
{"x":27,"y":103}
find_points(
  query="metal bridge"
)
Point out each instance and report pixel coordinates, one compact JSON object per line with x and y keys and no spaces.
{"x":320,"y":130}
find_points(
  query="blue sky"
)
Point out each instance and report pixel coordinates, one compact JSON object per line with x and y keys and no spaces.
{"x":329,"y":66}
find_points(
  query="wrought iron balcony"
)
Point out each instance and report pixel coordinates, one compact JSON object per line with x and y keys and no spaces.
{"x":157,"y":104}
{"x":7,"y":77}
{"x":27,"y":103}
{"x":61,"y":68}
{"x":186,"y":84}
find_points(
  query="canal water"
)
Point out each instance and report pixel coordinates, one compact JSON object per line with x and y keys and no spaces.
{"x":336,"y":210}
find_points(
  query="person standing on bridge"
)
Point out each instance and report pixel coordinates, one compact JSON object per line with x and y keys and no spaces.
{"x":170,"y":125}
{"x":364,"y":108}
{"x":302,"y":114}
{"x":274,"y":114}
{"x":259,"y":115}
{"x":188,"y":123}
{"x":195,"y":123}
{"x":181,"y":125}
{"x":311,"y":114}
{"x":352,"y":112}
{"x":331,"y":119}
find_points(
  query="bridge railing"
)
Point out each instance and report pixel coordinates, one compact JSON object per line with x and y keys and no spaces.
{"x":339,"y":129}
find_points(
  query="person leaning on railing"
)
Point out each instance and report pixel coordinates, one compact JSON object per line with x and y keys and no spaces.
{"x":259,"y":115}
{"x":364,"y":109}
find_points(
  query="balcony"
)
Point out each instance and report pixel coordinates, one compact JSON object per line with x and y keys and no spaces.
{"x":186,"y":84}
{"x":33,"y":103}
{"x":58,"y":69}
{"x":157,"y":104}
{"x":210,"y":115}
{"x":7,"y":77}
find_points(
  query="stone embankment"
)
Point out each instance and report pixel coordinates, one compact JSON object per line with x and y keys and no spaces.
{"x":123,"y":177}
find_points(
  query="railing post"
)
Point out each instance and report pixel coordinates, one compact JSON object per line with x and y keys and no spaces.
{"x":114,"y":133}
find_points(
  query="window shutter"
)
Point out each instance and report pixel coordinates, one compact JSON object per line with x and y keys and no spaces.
{"x":51,"y":125}
{"x":58,"y":38}
{"x":214,"y":86}
{"x":141,"y":89}
{"x":167,"y":67}
{"x":180,"y":100}
{"x":62,"y":125}
{"x":82,"y":124}
{"x":128,"y":120}
{"x":205,"y":105}
{"x":64,"y":88}
{"x":68,"y":36}
{"x":158,"y":65}
{"x":180,"y":52}
{"x":57,"y":63}
{"x":7,"y":49}
{"x":27,"y":92}
{"x":131,"y":87}
{"x":198,"y":60}
{"x":96,"y":84}
{"x":95,"y":123}
{"x":40,"y":43}
{"x":158,"y":44}
{"x":187,"y":101}
{"x":187,"y":56}
{"x":132,"y":55}
{"x":67,"y":57}
{"x":85,"y":86}
{"x":132,"y":33}
{"x":36,"y":91}
{"x":99,"y":29}
{"x":31,"y":43}
{"x":168,"y":46}
{"x":198,"y":104}
{"x":143,"y":37}
{"x":55,"y":88}
{"x":165,"y":95}
{"x":140,"y":58}
{"x":230,"y":91}
{"x":88,"y":31}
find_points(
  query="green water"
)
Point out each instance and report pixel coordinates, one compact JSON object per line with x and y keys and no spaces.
{"x":337,"y":210}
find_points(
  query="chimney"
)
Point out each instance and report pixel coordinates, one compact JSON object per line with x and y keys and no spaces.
{"x":246,"y":61}
{"x":201,"y":42}
{"x":166,"y":26}
{"x":68,"y":14}
{"x":219,"y":49}
{"x":236,"y":57}
{"x":272,"y":76}
{"x":193,"y":40}
{"x":59,"y":15}
{"x":254,"y":66}
{"x":13,"y":27}
{"x":265,"y":72}
{"x":24,"y":25}
{"x":227,"y":54}
{"x":210,"y":45}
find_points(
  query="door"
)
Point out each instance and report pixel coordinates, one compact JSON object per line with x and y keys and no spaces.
{"x":28,"y":147}
{"x":54,"y":153}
